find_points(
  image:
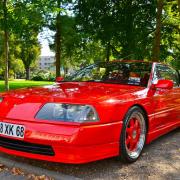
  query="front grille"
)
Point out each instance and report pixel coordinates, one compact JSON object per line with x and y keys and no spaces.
{"x":26,"y":146}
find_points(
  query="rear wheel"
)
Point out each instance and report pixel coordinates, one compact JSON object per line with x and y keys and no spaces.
{"x":133,"y":135}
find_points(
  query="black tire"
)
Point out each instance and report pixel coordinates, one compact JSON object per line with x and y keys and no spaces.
{"x":124,"y":151}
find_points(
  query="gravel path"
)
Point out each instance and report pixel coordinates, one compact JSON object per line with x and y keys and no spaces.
{"x":160,"y":160}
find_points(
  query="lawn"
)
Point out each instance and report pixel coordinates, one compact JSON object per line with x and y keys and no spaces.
{"x":23,"y":83}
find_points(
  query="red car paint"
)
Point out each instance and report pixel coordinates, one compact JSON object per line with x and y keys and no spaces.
{"x":85,"y":142}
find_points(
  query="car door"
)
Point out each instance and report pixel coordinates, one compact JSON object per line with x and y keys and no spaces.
{"x":177,"y":100}
{"x":166,"y":101}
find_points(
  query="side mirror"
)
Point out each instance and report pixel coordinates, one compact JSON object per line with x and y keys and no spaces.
{"x":59,"y":79}
{"x":164,"y":84}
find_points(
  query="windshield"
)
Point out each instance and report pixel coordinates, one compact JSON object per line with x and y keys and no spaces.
{"x":131,"y":73}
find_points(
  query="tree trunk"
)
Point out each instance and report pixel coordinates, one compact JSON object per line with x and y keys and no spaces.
{"x":6,"y":45}
{"x":58,"y":41}
{"x":27,"y":73}
{"x":157,"y":38}
{"x":129,"y":44}
{"x":108,"y":51}
{"x":65,"y":71}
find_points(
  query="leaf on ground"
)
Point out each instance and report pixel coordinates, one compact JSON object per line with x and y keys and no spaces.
{"x":34,"y":177}
{"x":2,"y":166}
{"x":17,"y":171}
{"x":31,"y":176}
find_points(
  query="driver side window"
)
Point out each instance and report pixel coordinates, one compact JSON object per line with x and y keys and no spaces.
{"x":166,"y":73}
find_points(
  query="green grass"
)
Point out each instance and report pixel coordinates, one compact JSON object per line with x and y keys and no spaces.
{"x":22,"y":84}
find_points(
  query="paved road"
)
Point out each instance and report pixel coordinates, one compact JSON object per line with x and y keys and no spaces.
{"x":8,"y":176}
{"x":160,"y":160}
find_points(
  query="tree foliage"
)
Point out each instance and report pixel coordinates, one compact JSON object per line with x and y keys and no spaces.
{"x":86,"y":31}
{"x":124,"y":24}
{"x":25,"y":20}
{"x":170,"y":43}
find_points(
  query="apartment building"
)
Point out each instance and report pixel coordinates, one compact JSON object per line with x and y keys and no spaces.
{"x":47,"y":63}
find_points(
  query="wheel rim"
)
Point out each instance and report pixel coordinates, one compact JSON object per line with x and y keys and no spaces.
{"x":135,"y":135}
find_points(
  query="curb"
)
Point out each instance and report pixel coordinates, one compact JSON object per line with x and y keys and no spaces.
{"x":35,"y":170}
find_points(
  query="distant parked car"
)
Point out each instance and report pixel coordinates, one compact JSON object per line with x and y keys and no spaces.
{"x":104,"y":110}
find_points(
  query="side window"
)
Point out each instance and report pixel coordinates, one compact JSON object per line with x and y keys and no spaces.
{"x":165,"y":72}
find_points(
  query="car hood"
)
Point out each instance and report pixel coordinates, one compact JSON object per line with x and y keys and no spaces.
{"x":28,"y":101}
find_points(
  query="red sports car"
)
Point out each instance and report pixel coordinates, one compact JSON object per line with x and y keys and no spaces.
{"x":104,"y":110}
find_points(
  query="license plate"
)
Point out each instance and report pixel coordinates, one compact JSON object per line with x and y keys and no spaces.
{"x":12,"y":130}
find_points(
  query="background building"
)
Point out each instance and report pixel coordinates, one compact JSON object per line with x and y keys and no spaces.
{"x":47,"y":63}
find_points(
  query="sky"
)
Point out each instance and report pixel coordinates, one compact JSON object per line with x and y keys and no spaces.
{"x":44,"y":38}
{"x":45,"y":50}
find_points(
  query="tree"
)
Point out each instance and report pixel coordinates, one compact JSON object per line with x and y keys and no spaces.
{"x":77,"y":48}
{"x":22,"y":20}
{"x":29,"y":21}
{"x":6,"y":42}
{"x":95,"y":18}
{"x":30,"y":51}
{"x":53,"y":12}
{"x":123,"y":27}
{"x":29,"y":56}
{"x":170,"y":47}
{"x":157,"y":38}
{"x":57,"y":11}
{"x":58,"y":39}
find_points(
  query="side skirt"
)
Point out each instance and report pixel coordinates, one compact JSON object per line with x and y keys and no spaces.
{"x":161,"y":131}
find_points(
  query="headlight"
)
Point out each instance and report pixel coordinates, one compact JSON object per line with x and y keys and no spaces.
{"x":1,"y":99}
{"x":68,"y":113}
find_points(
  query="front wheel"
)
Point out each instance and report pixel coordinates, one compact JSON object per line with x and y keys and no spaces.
{"x":133,"y":135}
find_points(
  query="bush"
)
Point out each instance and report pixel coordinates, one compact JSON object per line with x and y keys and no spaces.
{"x":37,"y":78}
{"x":44,"y":76}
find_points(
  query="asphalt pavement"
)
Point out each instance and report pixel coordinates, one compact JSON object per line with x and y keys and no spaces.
{"x":8,"y":176}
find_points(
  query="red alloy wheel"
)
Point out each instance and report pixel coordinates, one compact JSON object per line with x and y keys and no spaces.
{"x":134,"y":135}
{"x":133,"y":132}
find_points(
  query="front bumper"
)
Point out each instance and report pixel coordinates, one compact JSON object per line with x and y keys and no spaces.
{"x":71,"y":144}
